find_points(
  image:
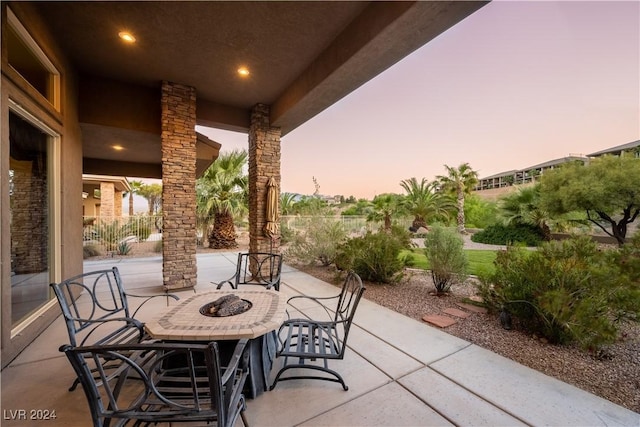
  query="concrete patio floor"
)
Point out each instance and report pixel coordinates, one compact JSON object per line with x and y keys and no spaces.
{"x":400,"y":372}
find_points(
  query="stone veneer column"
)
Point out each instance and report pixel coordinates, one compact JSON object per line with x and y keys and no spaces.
{"x":117,"y":203}
{"x":264,"y":163}
{"x":107,"y":201}
{"x":179,"y":268}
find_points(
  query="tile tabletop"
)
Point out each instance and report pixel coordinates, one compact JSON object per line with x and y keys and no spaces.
{"x":185,"y":322}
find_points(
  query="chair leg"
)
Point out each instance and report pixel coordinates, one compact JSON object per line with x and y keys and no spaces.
{"x":243,"y":416}
{"x":337,"y":379}
{"x":75,"y":384}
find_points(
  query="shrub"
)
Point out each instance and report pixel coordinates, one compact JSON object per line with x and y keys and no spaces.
{"x":157,"y":247}
{"x":111,"y":233}
{"x":408,"y":258}
{"x":89,"y":251}
{"x":319,"y":242}
{"x":287,"y":235}
{"x":141,"y":229}
{"x":499,"y":234}
{"x":124,"y":248}
{"x":447,"y":261}
{"x":479,"y":213}
{"x":566,"y":291}
{"x":375,"y":256}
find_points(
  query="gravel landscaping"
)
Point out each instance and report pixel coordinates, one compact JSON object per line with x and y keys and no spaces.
{"x":615,"y":376}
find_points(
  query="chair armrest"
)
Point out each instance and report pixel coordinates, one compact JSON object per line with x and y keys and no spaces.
{"x":149,"y":298}
{"x":221,"y":284}
{"x":236,"y":358}
{"x":317,"y":300}
{"x":99,"y":322}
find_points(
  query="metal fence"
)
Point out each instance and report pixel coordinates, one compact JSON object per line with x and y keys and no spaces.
{"x":111,"y":231}
{"x":352,"y":224}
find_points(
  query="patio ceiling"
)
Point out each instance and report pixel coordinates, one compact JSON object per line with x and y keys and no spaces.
{"x":302,"y":58}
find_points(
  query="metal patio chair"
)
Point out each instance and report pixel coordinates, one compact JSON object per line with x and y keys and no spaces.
{"x":256,"y":268}
{"x":96,"y":310}
{"x":161,"y":383}
{"x":305,"y":340}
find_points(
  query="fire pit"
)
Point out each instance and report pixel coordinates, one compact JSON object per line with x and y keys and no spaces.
{"x":228,"y":305}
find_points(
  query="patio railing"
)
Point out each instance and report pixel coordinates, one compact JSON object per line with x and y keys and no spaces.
{"x":113,"y":231}
{"x":110,"y":231}
{"x":351,"y":224}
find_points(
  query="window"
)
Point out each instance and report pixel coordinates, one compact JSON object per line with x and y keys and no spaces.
{"x":32,"y":162}
{"x":26,"y":57}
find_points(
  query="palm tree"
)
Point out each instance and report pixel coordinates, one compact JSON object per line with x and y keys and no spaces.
{"x":385,"y":206}
{"x":222,"y":192}
{"x":523,"y":207}
{"x":153,"y":194}
{"x":135,"y":188}
{"x":425,"y":202}
{"x":287,"y":202}
{"x":459,"y":181}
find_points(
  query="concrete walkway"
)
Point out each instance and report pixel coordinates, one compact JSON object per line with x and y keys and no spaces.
{"x":400,"y":372}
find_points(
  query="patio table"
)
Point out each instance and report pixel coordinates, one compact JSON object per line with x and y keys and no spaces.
{"x":184,"y":322}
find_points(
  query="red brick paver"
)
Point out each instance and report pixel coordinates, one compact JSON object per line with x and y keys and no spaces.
{"x":439,"y":321}
{"x":472,"y":308}
{"x":457,"y":313}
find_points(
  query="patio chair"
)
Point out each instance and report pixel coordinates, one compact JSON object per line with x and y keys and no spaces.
{"x":103,"y":317}
{"x":161,"y":383}
{"x":306,"y":340}
{"x":256,"y":268}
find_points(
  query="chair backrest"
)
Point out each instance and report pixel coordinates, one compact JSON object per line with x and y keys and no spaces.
{"x":259,"y":268}
{"x":350,"y":295}
{"x":155,"y":383}
{"x":102,"y":298}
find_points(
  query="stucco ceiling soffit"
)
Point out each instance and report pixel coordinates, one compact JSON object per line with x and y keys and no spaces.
{"x":303,"y":56}
{"x":383,"y":34}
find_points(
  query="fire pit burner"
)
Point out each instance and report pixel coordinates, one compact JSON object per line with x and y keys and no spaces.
{"x":228,"y":305}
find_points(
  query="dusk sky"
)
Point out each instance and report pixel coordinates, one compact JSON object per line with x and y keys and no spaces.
{"x":513,"y":85}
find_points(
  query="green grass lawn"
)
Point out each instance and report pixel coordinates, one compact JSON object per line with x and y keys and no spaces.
{"x":480,"y":261}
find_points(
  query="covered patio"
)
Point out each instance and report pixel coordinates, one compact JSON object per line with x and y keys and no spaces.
{"x":400,"y":372}
{"x":118,"y":88}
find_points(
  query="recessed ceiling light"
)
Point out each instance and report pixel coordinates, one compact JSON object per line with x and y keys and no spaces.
{"x":117,"y":147}
{"x":127,"y":36}
{"x":243,"y":71}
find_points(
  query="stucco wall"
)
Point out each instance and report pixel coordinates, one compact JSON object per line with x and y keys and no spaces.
{"x":64,"y":122}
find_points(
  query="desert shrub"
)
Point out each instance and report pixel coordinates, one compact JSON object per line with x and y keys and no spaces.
{"x":89,"y":251}
{"x":499,"y":234}
{"x":319,"y":242}
{"x":628,"y":258}
{"x":141,"y":229}
{"x":479,"y":213}
{"x":408,"y":258}
{"x":447,"y":261}
{"x":157,"y":247}
{"x":287,"y":235}
{"x":402,"y":235}
{"x":375,"y":256}
{"x":124,"y":248}
{"x":566,"y":291}
{"x":111,"y":233}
